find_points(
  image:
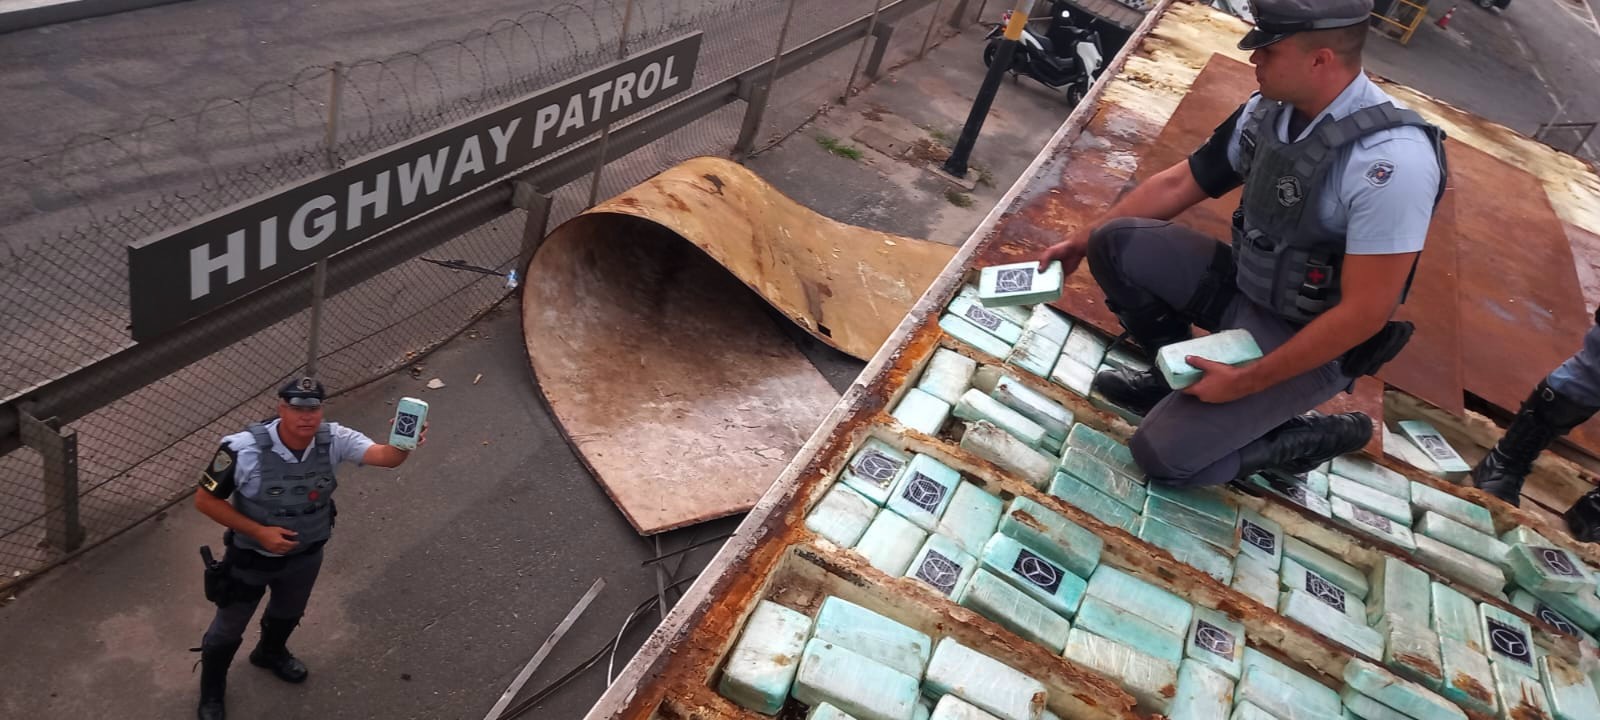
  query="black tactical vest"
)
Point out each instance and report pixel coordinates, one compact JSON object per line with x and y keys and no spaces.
{"x":1287,"y":260}
{"x":297,"y":496}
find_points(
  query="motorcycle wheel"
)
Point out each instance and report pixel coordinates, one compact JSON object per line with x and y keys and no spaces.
{"x":1075,"y":93}
{"x":989,"y":53}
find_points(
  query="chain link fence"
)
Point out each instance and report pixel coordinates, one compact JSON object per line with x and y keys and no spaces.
{"x":70,"y":213}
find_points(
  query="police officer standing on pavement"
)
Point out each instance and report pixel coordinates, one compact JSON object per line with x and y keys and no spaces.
{"x":279,"y":476}
{"x":1565,"y":399}
{"x":1340,"y":183}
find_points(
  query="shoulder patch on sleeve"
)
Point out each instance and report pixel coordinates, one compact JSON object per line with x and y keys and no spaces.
{"x":1380,"y":172}
{"x":218,"y":477}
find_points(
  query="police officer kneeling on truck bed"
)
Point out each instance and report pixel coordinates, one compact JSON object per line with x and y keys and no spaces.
{"x":1340,"y":183}
{"x":279,"y":476}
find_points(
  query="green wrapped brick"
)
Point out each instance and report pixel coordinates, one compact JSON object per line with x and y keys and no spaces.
{"x":1398,"y":693}
{"x":1015,"y":314}
{"x":1261,"y":539}
{"x":1086,"y":346}
{"x":948,"y":375}
{"x":1583,"y":609}
{"x":1528,"y":603}
{"x":1317,"y":614}
{"x":761,"y":667}
{"x":1509,"y":641}
{"x":1472,"y":571}
{"x":1521,"y":535}
{"x":1048,"y":533}
{"x":1317,"y":696}
{"x":921,"y":411}
{"x":985,"y":682}
{"x":1210,"y":502}
{"x":1008,"y":453}
{"x":1395,"y":508}
{"x":1456,"y":616}
{"x":1148,"y":679}
{"x":1570,"y":693}
{"x":971,"y":518}
{"x":1031,"y":571}
{"x":1252,"y":577}
{"x":890,"y":543}
{"x":1372,"y":475}
{"x":1104,"y":478}
{"x":1411,"y":650}
{"x":874,"y":469}
{"x":1166,"y":610}
{"x":974,"y":405}
{"x":988,"y":319}
{"x":1073,"y":375}
{"x":1295,"y":491}
{"x":953,"y":708}
{"x":1249,"y":711}
{"x":1187,"y":548}
{"x":1054,"y":417}
{"x":1216,"y":640}
{"x":975,"y":336}
{"x":1125,"y":359}
{"x":1117,"y":624}
{"x":996,"y":599}
{"x":1230,"y":347}
{"x":1362,"y":707}
{"x":1427,"y":498}
{"x":1400,"y":592}
{"x":924,"y":491}
{"x":873,"y":636}
{"x":1468,"y":677}
{"x":842,"y":516}
{"x":856,"y":685}
{"x":1203,"y":693}
{"x":1036,"y":353}
{"x":1019,"y":284}
{"x":1548,"y":569}
{"x":1339,"y":571}
{"x":1102,"y":506}
{"x":1317,"y":481}
{"x":1462,"y":537}
{"x":1282,"y":699}
{"x":942,"y":565}
{"x":1104,"y":448}
{"x":1298,"y":577}
{"x":1050,"y":323}
{"x":1369,"y":523}
{"x":827,"y":712}
{"x":1521,"y":697}
{"x":1222,"y":535}
{"x":1428,"y":439}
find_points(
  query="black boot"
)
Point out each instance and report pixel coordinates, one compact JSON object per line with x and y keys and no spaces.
{"x":1583,"y":518}
{"x":214,"y":662}
{"x":1303,"y":443}
{"x":273,"y":653}
{"x":1153,"y":326}
{"x":1545,"y":416}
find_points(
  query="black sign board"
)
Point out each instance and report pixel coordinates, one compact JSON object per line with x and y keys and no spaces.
{"x":224,"y":256}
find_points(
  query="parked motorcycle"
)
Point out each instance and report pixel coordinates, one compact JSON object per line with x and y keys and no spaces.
{"x":1065,"y":56}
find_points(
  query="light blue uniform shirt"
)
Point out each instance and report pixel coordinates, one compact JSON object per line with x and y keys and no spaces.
{"x":1383,"y":186}
{"x":348,"y":446}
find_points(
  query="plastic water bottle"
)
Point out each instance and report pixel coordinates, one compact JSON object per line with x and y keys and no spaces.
{"x":511,"y":280}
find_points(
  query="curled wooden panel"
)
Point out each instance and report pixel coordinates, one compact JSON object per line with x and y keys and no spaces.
{"x":647,"y":328}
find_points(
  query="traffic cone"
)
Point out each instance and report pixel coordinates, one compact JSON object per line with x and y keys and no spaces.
{"x":1444,"y":22}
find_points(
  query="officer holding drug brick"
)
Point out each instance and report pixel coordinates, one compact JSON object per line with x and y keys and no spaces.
{"x":272,"y":487}
{"x":1340,"y":183}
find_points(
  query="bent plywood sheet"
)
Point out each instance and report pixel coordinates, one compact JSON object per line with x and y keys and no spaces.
{"x":662,"y":363}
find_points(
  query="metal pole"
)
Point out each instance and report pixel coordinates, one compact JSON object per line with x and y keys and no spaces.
{"x":927,"y":37}
{"x":544,"y":650}
{"x":872,"y":24}
{"x":319,"y":278}
{"x":957,"y":163}
{"x":758,"y":99}
{"x":63,"y":530}
{"x":605,"y":130}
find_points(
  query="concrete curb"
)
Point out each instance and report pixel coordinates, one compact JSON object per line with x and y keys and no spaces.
{"x":24,"y":14}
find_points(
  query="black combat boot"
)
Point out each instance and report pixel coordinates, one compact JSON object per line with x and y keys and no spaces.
{"x":1302,"y":444}
{"x":1153,"y":327}
{"x":1545,"y":416}
{"x":214,"y":662}
{"x":273,"y":653}
{"x":1583,"y":518}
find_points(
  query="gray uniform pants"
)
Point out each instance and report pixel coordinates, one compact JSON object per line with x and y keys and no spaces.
{"x":1184,"y":441}
{"x":1578,"y":379}
{"x":289,"y":579}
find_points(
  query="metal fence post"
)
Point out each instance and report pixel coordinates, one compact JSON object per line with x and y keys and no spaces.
{"x":525,"y":195}
{"x":319,"y":278}
{"x":872,"y":27}
{"x":605,"y":130}
{"x":927,"y":37}
{"x":59,"y":448}
{"x":955,"y":15}
{"x":885,"y":33}
{"x":757,"y":102}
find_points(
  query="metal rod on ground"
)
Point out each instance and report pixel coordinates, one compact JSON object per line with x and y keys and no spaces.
{"x":605,"y":130}
{"x":544,"y":650}
{"x":1542,"y":129}
{"x":319,"y":278}
{"x":661,"y":580}
{"x":957,"y":163}
{"x":758,"y":100}
{"x":872,"y":24}
{"x":933,"y":21}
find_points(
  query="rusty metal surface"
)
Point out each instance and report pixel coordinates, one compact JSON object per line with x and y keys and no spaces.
{"x":661,"y":364}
